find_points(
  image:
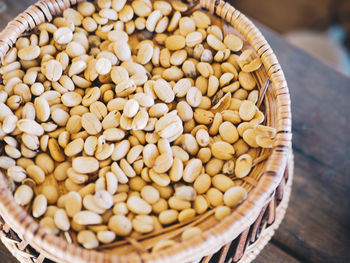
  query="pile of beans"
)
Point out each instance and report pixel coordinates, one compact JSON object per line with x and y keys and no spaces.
{"x":119,"y":119}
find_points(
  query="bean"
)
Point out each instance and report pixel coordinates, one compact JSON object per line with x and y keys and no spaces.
{"x":87,"y":218}
{"x":61,"y":220}
{"x":74,"y":205}
{"x":120,"y":225}
{"x":143,"y":224}
{"x":138,"y":205}
{"x":85,"y":164}
{"x":23,"y":194}
{"x":234,"y":196}
{"x":202,"y":183}
{"x":215,"y":197}
{"x":168,"y":216}
{"x":87,"y":239}
{"x":243,"y":165}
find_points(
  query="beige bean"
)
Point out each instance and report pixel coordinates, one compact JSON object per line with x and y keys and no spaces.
{"x":186,"y":215}
{"x":119,"y":173}
{"x":184,"y":110}
{"x":248,"y":62}
{"x":103,"y":199}
{"x":192,"y":170}
{"x":42,"y":109}
{"x":120,"y":225}
{"x":243,"y":165}
{"x":180,"y":153}
{"x":63,"y":35}
{"x":90,"y":204}
{"x":246,"y":80}
{"x":234,"y":43}
{"x":215,"y":197}
{"x":52,"y":70}
{"x":145,"y":53}
{"x":138,"y":206}
{"x":143,"y":224}
{"x":74,"y":205}
{"x":76,"y":177}
{"x":87,"y":239}
{"x":215,"y":43}
{"x":36,"y":173}
{"x":141,"y":8}
{"x":194,"y":97}
{"x":23,"y":194}
{"x":74,"y":147}
{"x":249,"y":136}
{"x":105,"y":236}
{"x":75,"y":49}
{"x":235,"y":195}
{"x":228,"y":132}
{"x":111,"y":182}
{"x":150,"y":153}
{"x":163,"y":163}
{"x":175,"y":42}
{"x":150,"y":194}
{"x":87,"y":218}
{"x":178,"y":203}
{"x":176,"y":170}
{"x":16,"y":173}
{"x":168,"y":216}
{"x":122,"y":50}
{"x":200,"y":204}
{"x":39,"y":206}
{"x":160,"y":179}
{"x":185,"y":192}
{"x":29,"y":53}
{"x":71,"y":99}
{"x":127,"y":168}
{"x":85,"y":164}
{"x":48,"y":225}
{"x":30,"y":126}
{"x":163,"y":91}
{"x":134,"y":153}
{"x":61,"y":220}
{"x":131,"y":107}
{"x":91,"y":123}
{"x":103,"y":66}
{"x":222,"y":150}
{"x":202,"y":183}
{"x":120,"y":209}
{"x":247,"y":110}
{"x":222,"y":182}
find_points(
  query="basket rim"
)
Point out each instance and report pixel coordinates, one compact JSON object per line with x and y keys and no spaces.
{"x":226,"y":230}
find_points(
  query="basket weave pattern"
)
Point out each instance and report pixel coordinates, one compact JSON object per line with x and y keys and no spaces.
{"x":238,"y":230}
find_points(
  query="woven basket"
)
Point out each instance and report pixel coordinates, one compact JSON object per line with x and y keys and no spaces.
{"x":238,"y":237}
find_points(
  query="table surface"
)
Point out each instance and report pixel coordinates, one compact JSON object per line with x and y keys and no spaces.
{"x":317,"y":224}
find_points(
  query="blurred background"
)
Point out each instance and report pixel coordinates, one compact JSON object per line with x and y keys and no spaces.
{"x":320,"y":27}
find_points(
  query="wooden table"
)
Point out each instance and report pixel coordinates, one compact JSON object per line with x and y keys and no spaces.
{"x":317,"y":224}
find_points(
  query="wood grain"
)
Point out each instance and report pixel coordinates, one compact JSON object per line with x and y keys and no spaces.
{"x":316,"y":228}
{"x":272,"y":253}
{"x":286,"y":15}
